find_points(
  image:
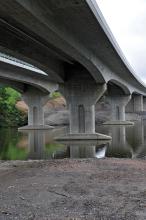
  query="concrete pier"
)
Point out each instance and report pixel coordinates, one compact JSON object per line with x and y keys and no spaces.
{"x":35,"y":101}
{"x":144,"y":103}
{"x":81,"y":93}
{"x":137,"y":107}
{"x":138,"y":103}
{"x":118,"y":104}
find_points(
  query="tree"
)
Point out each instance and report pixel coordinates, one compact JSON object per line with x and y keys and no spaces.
{"x":9,"y":114}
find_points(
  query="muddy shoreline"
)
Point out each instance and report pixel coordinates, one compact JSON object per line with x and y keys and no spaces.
{"x":111,"y":189}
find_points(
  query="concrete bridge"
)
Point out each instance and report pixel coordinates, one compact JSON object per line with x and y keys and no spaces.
{"x":35,"y":90}
{"x":70,"y":41}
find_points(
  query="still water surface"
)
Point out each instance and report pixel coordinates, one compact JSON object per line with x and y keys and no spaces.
{"x":127,"y":142}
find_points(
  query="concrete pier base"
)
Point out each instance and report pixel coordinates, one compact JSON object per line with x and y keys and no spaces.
{"x":118,"y":123}
{"x":82,"y":136}
{"x":83,"y":142}
{"x":39,"y":127}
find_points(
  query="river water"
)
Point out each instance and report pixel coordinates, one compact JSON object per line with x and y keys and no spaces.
{"x":127,"y":142}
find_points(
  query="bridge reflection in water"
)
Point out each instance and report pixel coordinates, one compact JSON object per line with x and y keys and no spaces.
{"x":127,"y":142}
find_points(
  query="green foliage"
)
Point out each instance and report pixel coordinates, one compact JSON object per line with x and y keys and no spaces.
{"x":15,"y":153}
{"x":13,"y":96}
{"x":9,"y":114}
{"x":55,"y":95}
{"x":8,"y":145}
{"x":53,"y":147}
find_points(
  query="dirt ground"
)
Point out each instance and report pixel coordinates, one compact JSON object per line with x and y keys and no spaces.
{"x":105,"y":189}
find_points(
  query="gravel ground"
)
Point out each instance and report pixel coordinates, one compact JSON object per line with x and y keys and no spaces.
{"x":105,"y":189}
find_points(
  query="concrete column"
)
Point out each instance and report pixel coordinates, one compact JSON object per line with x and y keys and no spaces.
{"x":118,"y":107}
{"x":35,"y":101}
{"x":82,"y":117}
{"x":144,"y":103}
{"x":118,"y":104}
{"x":136,"y":108}
{"x":81,"y":93}
{"x":138,"y":103}
{"x":130,"y":106}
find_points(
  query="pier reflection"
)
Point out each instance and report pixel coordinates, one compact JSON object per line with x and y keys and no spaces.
{"x":127,"y":142}
{"x":36,"y":144}
{"x":119,"y":146}
{"x":39,"y":149}
{"x":136,"y":138}
{"x":86,"y":149}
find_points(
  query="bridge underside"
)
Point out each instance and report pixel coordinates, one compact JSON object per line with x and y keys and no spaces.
{"x":70,"y":41}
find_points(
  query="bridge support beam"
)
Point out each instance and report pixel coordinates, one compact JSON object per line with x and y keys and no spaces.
{"x":118,"y":104}
{"x":82,"y":93}
{"x":35,"y":101}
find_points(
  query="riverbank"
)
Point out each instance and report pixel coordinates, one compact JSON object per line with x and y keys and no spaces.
{"x":110,"y":189}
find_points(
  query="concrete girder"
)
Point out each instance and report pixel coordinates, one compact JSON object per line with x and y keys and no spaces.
{"x":60,"y":40}
{"x":121,"y":86}
{"x":30,"y":78}
{"x":33,"y":52}
{"x":64,"y":42}
{"x":15,"y":85}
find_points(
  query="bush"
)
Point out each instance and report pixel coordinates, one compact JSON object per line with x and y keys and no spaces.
{"x":55,"y":95}
{"x":9,"y":114}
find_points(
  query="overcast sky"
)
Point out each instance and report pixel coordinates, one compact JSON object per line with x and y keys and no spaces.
{"x":127,"y":21}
